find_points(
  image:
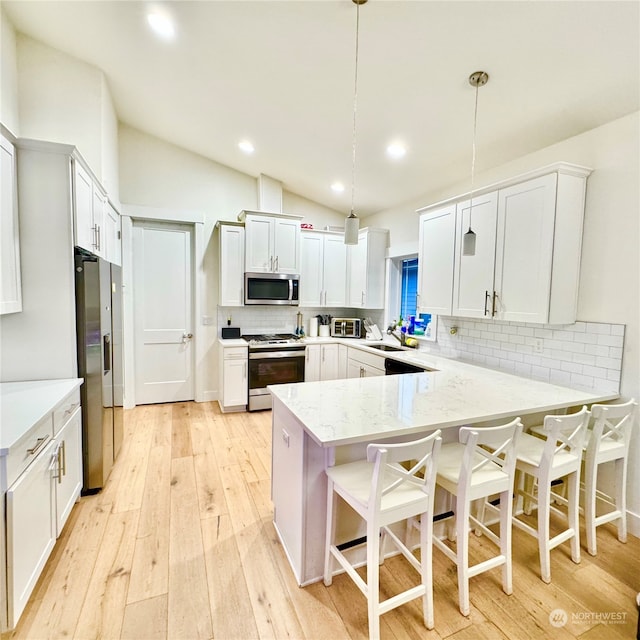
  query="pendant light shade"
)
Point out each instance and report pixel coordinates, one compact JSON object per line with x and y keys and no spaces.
{"x":477,"y":79}
{"x":352,"y":224}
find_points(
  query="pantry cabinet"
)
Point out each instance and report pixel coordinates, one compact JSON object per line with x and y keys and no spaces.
{"x":231,"y":239}
{"x":272,"y":242}
{"x":437,"y":237}
{"x":366,"y":269}
{"x":528,"y":246}
{"x":322,"y":269}
{"x":10,"y":284}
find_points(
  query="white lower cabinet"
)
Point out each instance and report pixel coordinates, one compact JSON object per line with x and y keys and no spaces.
{"x":233,"y":378}
{"x":322,"y":362}
{"x":361,"y":364}
{"x":30,"y":530}
{"x":67,"y":468}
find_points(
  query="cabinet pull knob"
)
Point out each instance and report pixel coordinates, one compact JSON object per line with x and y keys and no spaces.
{"x":40,"y":442}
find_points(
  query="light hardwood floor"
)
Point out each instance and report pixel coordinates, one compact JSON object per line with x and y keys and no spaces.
{"x":180,"y":544}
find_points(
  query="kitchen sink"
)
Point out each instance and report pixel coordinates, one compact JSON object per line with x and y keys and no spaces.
{"x":385,"y":347}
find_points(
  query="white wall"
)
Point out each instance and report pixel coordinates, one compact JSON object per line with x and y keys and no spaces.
{"x":62,"y":99}
{"x":8,"y":76}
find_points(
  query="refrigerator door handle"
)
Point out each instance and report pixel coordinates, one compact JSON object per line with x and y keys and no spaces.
{"x":106,"y":342}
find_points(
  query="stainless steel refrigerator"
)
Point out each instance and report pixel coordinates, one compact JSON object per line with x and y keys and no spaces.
{"x":99,"y":333}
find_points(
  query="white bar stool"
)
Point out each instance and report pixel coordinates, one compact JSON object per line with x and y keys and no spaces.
{"x":469,"y":471}
{"x":608,"y":441}
{"x":548,"y":460}
{"x":383,"y":492}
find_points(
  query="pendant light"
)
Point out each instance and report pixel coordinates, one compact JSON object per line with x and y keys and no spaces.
{"x":352,"y":224}
{"x":477,"y":79}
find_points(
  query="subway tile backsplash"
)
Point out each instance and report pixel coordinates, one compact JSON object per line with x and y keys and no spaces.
{"x":584,"y":354}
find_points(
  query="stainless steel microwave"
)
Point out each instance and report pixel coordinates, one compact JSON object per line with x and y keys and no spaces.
{"x":271,"y":288}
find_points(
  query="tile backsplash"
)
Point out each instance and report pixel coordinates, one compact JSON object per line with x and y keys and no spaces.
{"x":271,"y":318}
{"x":584,"y":354}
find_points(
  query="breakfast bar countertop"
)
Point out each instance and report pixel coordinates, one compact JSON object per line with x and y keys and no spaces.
{"x":356,"y":410}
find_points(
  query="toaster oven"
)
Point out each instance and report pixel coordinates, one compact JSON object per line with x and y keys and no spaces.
{"x":346,"y":327}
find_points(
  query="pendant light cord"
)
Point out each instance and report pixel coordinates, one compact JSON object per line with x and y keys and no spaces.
{"x":355,"y":108}
{"x":473,"y":154}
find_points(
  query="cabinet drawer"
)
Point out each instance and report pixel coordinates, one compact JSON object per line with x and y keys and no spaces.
{"x":65,"y":410}
{"x":363,"y":357}
{"x":26,"y":450}
{"x":235,"y":353}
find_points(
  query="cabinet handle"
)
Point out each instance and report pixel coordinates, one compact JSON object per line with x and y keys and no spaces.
{"x":40,"y":442}
{"x":486,"y":295}
{"x":63,"y":447}
{"x":99,"y":238}
{"x":493,"y":304}
{"x":95,"y":237}
{"x":270,"y":263}
{"x":362,"y":299}
{"x":322,"y":354}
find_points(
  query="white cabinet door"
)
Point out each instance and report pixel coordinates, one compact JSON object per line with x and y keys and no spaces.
{"x":354,"y":369}
{"x":30,"y":530}
{"x":357,"y":273}
{"x":435,"y":261}
{"x":343,"y":352}
{"x":366,"y":270}
{"x":67,"y":478}
{"x":473,"y":275}
{"x":286,"y":243}
{"x":311,"y":275}
{"x":98,"y":212}
{"x":86,"y":236}
{"x":370,"y":371}
{"x":329,"y":362}
{"x":112,"y":244}
{"x":11,"y":288}
{"x":231,"y":266}
{"x":312,"y":363}
{"x":235,"y":382}
{"x":259,"y":243}
{"x":524,"y":251}
{"x":334,"y":272}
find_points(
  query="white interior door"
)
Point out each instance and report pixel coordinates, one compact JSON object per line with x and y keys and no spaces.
{"x":162,"y":283}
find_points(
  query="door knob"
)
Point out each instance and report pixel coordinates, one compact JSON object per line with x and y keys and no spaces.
{"x":187,"y":336}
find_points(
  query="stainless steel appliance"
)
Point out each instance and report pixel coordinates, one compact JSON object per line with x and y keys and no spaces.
{"x":346,"y":327}
{"x":271,"y":288}
{"x":273,"y":359}
{"x":100,"y":358}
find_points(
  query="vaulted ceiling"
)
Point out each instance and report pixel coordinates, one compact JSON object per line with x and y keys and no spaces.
{"x":281,"y":73}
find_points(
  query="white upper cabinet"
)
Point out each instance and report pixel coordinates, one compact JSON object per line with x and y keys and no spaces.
{"x":112,"y":232}
{"x":366,"y":269}
{"x":323,"y":269}
{"x":231,"y":268}
{"x":435,"y":262}
{"x":272,"y":242}
{"x":11,"y":292}
{"x":526,"y":264}
{"x":90,"y":203}
{"x":473,"y":275}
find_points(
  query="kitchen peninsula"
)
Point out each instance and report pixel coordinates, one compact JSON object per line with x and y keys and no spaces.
{"x":317,"y":424}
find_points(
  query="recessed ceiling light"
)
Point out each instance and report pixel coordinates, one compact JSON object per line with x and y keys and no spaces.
{"x":338,"y":187}
{"x":396,"y":150}
{"x":161,"y":24}
{"x":246,"y":146}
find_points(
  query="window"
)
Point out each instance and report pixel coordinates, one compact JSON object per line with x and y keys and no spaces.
{"x":404,"y":301}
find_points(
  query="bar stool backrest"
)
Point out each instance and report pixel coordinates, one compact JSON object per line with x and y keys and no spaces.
{"x":612,"y":423}
{"x":565,"y":437}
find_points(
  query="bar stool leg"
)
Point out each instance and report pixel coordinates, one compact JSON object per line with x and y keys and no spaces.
{"x":506,"y":511}
{"x":544,"y":508}
{"x":426,"y":558}
{"x":590,"y":484}
{"x":621,"y":497}
{"x":373,"y":577}
{"x":332,"y":502}
{"x":462,"y":546}
{"x":573,"y":481}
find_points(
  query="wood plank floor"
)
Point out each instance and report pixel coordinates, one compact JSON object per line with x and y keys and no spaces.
{"x":180,"y":544}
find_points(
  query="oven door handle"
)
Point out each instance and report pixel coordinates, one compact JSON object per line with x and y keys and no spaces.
{"x":277,"y":354}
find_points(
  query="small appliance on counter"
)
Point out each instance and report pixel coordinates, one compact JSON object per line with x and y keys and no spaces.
{"x":346,"y":327}
{"x":230,"y":333}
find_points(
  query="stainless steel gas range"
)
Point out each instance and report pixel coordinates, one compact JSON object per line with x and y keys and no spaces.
{"x":275,"y":358}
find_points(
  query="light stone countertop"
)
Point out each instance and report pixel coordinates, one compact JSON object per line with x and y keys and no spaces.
{"x":365,"y":409}
{"x":23,"y":404}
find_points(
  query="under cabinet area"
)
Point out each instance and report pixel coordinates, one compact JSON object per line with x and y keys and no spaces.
{"x":40,"y":478}
{"x":272,"y":242}
{"x":526,"y":263}
{"x":322,"y":269}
